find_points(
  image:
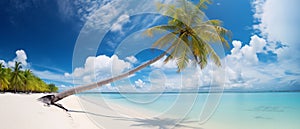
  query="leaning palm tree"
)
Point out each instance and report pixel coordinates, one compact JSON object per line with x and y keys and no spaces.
{"x":17,"y":76}
{"x":188,"y":40}
{"x":4,"y":83}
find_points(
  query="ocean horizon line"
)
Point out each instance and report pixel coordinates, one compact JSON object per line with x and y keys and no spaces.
{"x":186,"y":92}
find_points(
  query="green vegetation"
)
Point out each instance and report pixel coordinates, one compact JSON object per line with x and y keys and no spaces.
{"x":16,"y":80}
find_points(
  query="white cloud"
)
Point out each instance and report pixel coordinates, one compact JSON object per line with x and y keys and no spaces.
{"x":160,"y":64}
{"x":66,"y":8}
{"x":139,"y":83}
{"x":108,"y":13}
{"x":108,"y":88}
{"x":21,"y":57}
{"x":131,"y":59}
{"x":120,"y":22}
{"x":3,"y":63}
{"x":241,"y":64}
{"x":52,"y":76}
{"x":102,"y":14}
{"x":248,"y":52}
{"x":244,"y":70}
{"x":257,"y":43}
{"x":190,"y":79}
{"x":97,"y":68}
{"x":278,"y":21}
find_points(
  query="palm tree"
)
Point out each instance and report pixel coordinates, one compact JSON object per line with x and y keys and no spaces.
{"x":17,"y":76}
{"x":28,"y":77}
{"x":4,"y":83}
{"x":188,"y":41}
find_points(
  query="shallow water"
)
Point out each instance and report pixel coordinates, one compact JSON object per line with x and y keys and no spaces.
{"x":274,"y":110}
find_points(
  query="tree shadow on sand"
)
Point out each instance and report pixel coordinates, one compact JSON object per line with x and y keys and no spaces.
{"x":155,"y":122}
{"x":162,"y":123}
{"x":94,"y":114}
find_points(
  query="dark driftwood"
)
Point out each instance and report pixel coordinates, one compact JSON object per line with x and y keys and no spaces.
{"x":46,"y":99}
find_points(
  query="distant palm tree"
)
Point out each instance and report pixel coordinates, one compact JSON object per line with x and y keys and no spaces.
{"x":17,"y":77}
{"x":187,"y":41}
{"x":28,"y":77}
{"x":4,"y":83}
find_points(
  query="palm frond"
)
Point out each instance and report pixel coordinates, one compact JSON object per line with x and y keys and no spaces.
{"x":207,"y":35}
{"x":162,"y":28}
{"x":175,"y":50}
{"x":163,"y":41}
{"x":183,"y":60}
{"x":213,"y":33}
{"x":202,"y":50}
{"x":214,"y":22}
{"x":203,"y":4}
{"x":224,"y":33}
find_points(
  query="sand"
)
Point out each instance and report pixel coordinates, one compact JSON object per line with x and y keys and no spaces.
{"x":23,"y":111}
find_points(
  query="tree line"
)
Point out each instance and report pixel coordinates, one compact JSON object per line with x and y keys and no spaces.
{"x":17,"y":80}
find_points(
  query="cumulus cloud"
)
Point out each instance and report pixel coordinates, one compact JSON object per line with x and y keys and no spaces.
{"x":21,"y":57}
{"x":117,"y":26}
{"x":278,"y":21}
{"x":160,"y":64}
{"x":242,"y":63}
{"x":139,"y":83}
{"x":99,"y":67}
{"x":131,"y":59}
{"x":248,"y":53}
{"x":245,"y":70}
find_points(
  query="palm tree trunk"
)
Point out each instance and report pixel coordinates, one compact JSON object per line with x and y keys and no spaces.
{"x":51,"y":99}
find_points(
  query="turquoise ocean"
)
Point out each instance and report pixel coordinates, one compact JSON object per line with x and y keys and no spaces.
{"x":264,"y":110}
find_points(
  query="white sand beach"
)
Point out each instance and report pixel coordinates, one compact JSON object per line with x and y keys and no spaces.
{"x":22,"y":111}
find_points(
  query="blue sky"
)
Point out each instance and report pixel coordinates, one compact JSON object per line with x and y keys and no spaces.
{"x":77,"y":42}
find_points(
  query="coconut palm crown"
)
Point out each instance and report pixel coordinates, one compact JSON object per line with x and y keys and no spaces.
{"x":190,"y":34}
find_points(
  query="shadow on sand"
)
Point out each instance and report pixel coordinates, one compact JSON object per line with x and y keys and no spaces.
{"x":155,"y":122}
